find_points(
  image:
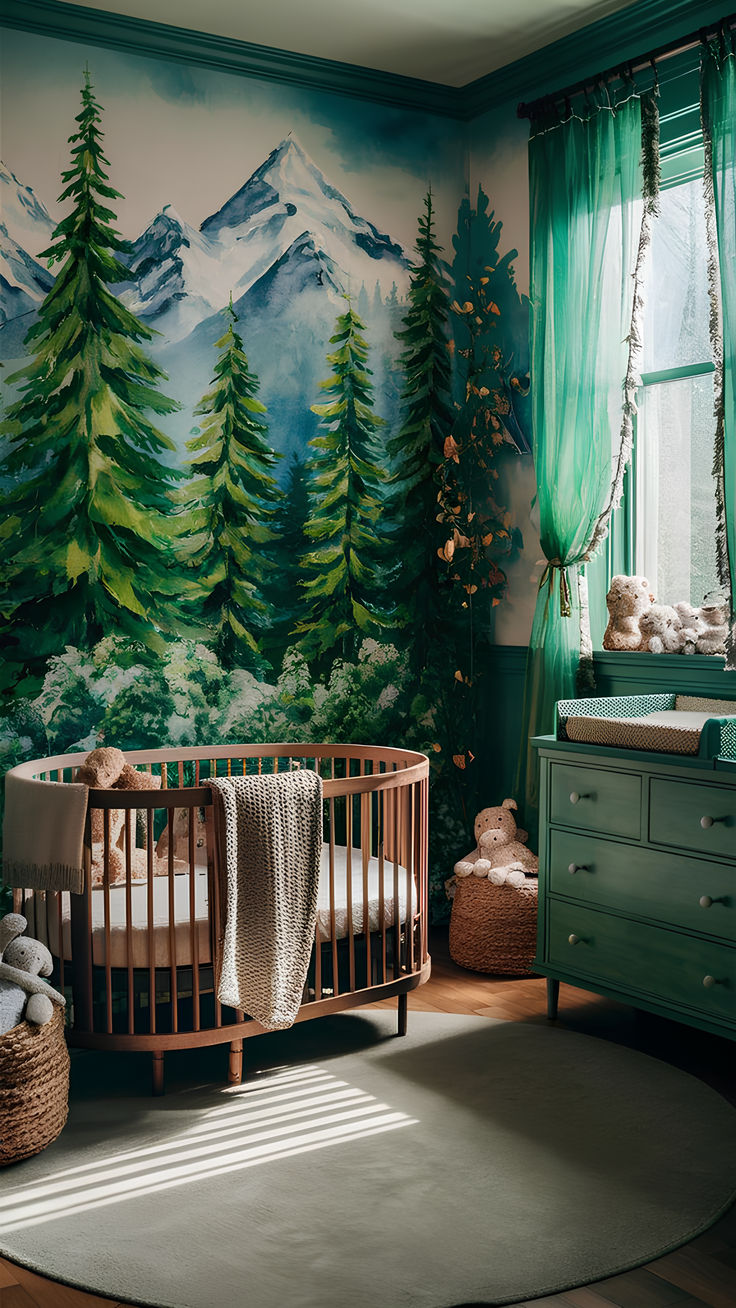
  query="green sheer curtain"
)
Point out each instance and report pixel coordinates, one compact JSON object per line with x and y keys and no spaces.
{"x":718,"y":100}
{"x":593,"y":178}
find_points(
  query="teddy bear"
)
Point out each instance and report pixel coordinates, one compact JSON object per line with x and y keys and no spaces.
{"x":180,"y":826}
{"x":627,"y":600}
{"x":105,"y":768}
{"x":693,"y":625}
{"x":24,"y":995}
{"x":500,"y":854}
{"x":712,"y":638}
{"x":661,"y":630}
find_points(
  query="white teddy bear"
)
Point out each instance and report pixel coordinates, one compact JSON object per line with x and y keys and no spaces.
{"x":661,"y":630}
{"x":712,"y":638}
{"x":23,"y":962}
{"x":693,"y":625}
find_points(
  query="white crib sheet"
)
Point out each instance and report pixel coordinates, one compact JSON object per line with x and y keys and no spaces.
{"x":182,"y":930}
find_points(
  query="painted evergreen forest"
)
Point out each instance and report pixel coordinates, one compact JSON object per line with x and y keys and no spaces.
{"x":315,"y":554}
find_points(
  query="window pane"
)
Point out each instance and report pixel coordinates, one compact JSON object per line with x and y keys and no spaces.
{"x":675,"y":495}
{"x":676,"y":284}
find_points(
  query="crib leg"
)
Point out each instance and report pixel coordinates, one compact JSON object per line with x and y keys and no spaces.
{"x":403,"y":1013}
{"x":235,"y":1063}
{"x":158,"y":1071}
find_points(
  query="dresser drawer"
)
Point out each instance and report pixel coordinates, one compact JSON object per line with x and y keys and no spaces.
{"x":596,"y":799}
{"x":670,"y":888}
{"x":646,"y":960}
{"x":690,"y":815}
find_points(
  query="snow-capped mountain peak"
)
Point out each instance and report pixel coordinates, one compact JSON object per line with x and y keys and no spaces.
{"x":25,"y":217}
{"x":286,"y":197}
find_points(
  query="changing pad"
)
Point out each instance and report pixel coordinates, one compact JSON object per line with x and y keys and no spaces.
{"x":670,"y":731}
{"x":182,"y":928}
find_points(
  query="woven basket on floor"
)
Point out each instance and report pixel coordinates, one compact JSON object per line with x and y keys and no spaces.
{"x":494,"y":928}
{"x":34,"y":1087}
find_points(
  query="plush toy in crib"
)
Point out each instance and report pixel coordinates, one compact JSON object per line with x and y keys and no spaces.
{"x":105,"y":768}
{"x":500,"y":854}
{"x":24,"y":996}
{"x":180,"y":827}
{"x":627,"y":600}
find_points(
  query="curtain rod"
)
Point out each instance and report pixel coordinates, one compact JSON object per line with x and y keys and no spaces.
{"x":679,"y":46}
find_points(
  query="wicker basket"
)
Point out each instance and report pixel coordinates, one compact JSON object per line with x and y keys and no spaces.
{"x":34,"y":1087}
{"x":494,"y":928}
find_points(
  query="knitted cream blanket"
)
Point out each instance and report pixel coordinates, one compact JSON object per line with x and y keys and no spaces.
{"x":43,"y":834}
{"x":269,"y":839}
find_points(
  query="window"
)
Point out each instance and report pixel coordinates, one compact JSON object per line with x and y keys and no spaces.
{"x":666,"y":526}
{"x":675,"y":508}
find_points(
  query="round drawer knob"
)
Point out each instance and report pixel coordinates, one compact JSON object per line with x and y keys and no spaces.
{"x":575,"y":797}
{"x":576,"y":867}
{"x":705,"y":901}
{"x":709,"y":982}
{"x":706,"y":822}
{"x":575,"y":940}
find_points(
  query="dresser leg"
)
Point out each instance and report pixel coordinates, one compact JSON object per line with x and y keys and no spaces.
{"x":553,"y":995}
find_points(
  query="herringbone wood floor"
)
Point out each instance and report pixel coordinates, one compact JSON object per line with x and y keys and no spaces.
{"x":702,"y":1273}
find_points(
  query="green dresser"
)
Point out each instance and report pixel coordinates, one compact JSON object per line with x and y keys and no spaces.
{"x":637,"y":880}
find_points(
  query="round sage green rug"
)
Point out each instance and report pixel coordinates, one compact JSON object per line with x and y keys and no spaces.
{"x":473,"y":1161}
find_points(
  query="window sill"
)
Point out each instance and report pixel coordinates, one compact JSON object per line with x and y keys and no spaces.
{"x":622,"y":672}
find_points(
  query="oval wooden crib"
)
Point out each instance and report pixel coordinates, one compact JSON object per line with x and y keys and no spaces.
{"x":135,"y":951}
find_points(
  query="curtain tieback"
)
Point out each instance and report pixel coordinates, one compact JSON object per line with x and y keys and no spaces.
{"x":547,"y":578}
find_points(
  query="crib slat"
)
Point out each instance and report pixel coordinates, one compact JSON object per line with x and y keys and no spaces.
{"x":150,"y":940}
{"x":382,"y":801}
{"x":173,"y":993}
{"x":349,"y":889}
{"x":213,"y":885}
{"x":129,"y":813}
{"x":410,"y":882}
{"x":108,"y":941}
{"x":193,"y":937}
{"x":365,"y":845}
{"x":395,"y":851}
{"x":333,"y":929}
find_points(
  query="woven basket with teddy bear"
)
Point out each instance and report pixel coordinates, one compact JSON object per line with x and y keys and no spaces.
{"x":34,"y":1060}
{"x":493,"y":923}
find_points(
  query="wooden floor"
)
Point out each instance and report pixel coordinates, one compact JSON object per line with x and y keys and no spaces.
{"x":701,"y":1273}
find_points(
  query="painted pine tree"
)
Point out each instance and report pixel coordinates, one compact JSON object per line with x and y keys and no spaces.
{"x":230,"y":505}
{"x":87,"y":536}
{"x":284,"y":589}
{"x":479,"y":537}
{"x":344,"y":572}
{"x":417,"y":450}
{"x":477,"y":529}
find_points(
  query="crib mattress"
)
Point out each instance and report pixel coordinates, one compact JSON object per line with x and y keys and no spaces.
{"x":176,"y":937}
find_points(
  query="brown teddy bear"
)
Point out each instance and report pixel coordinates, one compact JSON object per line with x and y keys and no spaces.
{"x":627,"y":600}
{"x":105,"y":768}
{"x":500,"y":854}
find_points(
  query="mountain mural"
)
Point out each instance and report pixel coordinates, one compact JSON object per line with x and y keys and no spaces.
{"x":25,"y":230}
{"x":287,"y":246}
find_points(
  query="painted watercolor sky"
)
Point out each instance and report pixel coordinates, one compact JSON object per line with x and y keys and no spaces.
{"x":190,"y":137}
